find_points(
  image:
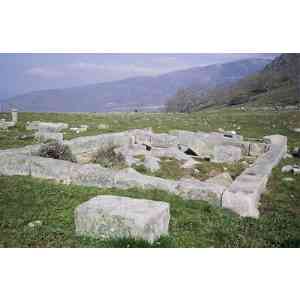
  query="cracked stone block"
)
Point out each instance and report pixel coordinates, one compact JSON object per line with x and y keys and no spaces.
{"x":113,"y":217}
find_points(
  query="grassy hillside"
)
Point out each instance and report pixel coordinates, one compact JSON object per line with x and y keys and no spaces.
{"x":278,"y":84}
{"x":193,"y":224}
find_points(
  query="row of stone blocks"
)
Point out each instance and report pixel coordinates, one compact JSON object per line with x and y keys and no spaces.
{"x":242,"y":196}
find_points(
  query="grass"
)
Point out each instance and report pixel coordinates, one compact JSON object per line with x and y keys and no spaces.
{"x":192,"y":224}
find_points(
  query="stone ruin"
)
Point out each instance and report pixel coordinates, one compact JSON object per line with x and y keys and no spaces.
{"x":242,"y":196}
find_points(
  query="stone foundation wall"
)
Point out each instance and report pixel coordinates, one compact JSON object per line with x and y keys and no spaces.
{"x":242,"y":196}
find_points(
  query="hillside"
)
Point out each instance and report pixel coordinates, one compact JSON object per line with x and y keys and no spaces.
{"x":277,"y":84}
{"x":142,"y":93}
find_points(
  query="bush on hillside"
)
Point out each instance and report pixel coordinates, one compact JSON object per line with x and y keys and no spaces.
{"x":56,"y":150}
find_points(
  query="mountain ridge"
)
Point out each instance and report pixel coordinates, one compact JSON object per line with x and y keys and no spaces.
{"x":136,"y":92}
{"x":277,"y":84}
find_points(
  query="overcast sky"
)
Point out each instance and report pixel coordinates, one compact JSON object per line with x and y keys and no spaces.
{"x":21,"y":73}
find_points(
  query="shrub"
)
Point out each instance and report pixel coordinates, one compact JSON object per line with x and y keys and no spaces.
{"x":56,"y":150}
{"x":108,"y":158}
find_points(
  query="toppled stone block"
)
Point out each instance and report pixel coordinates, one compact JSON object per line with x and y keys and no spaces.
{"x":227,"y":154}
{"x":114,"y":217}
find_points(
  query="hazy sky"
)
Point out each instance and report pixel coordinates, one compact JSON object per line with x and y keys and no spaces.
{"x":21,"y":73}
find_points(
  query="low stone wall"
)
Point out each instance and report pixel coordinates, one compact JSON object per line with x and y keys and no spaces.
{"x":242,"y":196}
{"x":97,"y":176}
{"x":245,"y":192}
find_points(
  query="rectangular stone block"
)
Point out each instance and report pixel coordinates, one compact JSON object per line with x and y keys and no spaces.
{"x":111,"y":217}
{"x":14,"y":164}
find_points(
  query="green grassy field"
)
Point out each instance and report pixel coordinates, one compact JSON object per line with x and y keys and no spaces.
{"x":193,"y":224}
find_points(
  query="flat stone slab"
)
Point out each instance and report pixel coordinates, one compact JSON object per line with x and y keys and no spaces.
{"x":122,"y":217}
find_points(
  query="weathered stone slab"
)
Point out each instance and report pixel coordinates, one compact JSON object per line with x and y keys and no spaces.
{"x":244,"y":194}
{"x":227,"y":154}
{"x":14,"y":164}
{"x":48,"y":168}
{"x":122,"y":217}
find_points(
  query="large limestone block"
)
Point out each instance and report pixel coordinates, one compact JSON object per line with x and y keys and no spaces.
{"x":227,"y":154}
{"x":244,"y":194}
{"x":49,"y":168}
{"x":14,"y":164}
{"x":113,"y":217}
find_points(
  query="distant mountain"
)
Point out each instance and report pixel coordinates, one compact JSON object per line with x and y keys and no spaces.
{"x":278,"y":84}
{"x":140,"y":93}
